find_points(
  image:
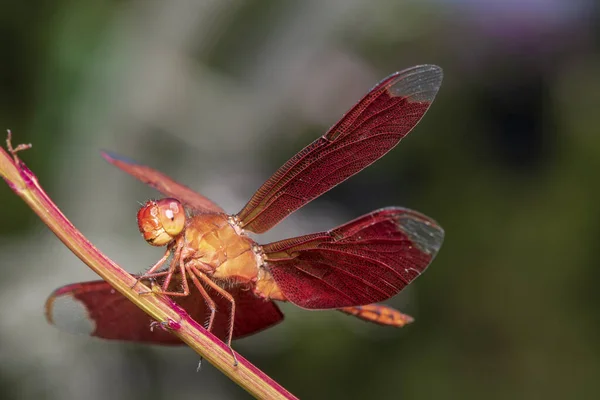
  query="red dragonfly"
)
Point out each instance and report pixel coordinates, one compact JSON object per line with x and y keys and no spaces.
{"x":349,"y":268}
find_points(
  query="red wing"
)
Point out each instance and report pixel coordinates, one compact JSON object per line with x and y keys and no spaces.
{"x":365,"y":261}
{"x":368,"y":131}
{"x":96,"y":309}
{"x":163,"y":183}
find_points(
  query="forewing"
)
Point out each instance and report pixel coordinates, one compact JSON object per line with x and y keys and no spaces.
{"x":368,"y":131}
{"x":163,"y":183}
{"x":96,"y":309}
{"x":365,"y":261}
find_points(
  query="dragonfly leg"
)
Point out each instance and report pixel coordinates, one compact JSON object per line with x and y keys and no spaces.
{"x":176,"y":261}
{"x":229,"y":297}
{"x":209,"y":302}
{"x":150,"y":273}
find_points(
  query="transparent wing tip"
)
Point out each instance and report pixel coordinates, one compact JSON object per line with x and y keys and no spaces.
{"x":424,"y":232}
{"x":69,"y":314}
{"x":419,"y":84}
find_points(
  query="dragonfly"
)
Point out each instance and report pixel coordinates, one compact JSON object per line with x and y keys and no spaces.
{"x":215,"y":271}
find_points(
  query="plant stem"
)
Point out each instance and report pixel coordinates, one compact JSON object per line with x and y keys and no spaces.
{"x":25,"y":184}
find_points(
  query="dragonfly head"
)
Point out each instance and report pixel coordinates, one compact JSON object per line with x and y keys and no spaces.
{"x":161,"y":221}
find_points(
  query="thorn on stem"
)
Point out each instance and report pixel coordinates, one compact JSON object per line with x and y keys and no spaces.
{"x":15,"y":150}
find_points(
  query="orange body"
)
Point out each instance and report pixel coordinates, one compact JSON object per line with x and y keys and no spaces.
{"x":216,"y":246}
{"x":211,"y":243}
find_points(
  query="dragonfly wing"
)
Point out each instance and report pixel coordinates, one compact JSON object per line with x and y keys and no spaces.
{"x":379,"y":314}
{"x":96,"y":309}
{"x":368,"y":131}
{"x":163,"y":183}
{"x":365,"y":261}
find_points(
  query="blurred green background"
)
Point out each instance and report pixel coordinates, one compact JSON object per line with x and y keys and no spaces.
{"x":218,"y":94}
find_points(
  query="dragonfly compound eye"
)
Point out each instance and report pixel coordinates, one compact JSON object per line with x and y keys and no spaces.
{"x":161,"y":221}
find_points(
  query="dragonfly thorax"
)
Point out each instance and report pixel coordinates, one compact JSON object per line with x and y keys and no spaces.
{"x":211,"y":241}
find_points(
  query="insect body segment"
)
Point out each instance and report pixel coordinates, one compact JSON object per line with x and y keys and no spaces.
{"x":213,"y":245}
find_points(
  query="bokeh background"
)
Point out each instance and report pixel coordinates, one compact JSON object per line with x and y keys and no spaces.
{"x":218,"y":94}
